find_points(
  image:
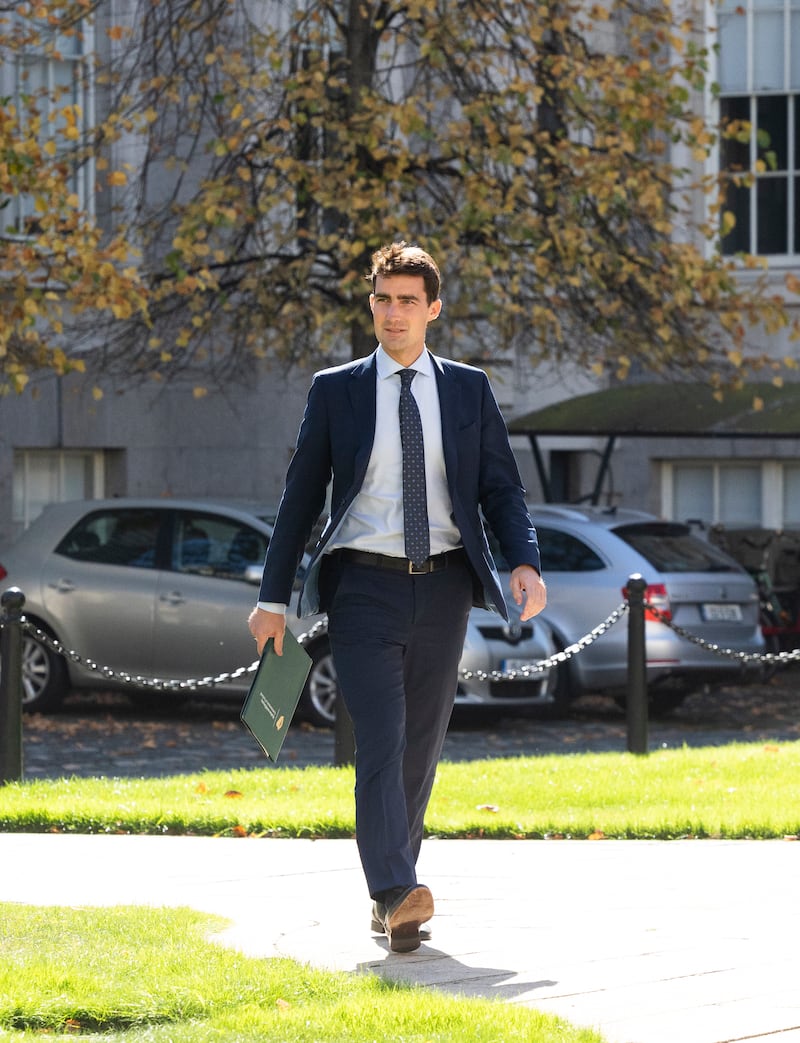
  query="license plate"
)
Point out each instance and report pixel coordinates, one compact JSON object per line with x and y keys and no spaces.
{"x":721,"y":613}
{"x":506,"y":665}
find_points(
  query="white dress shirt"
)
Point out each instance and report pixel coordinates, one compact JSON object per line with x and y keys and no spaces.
{"x":374,"y":520}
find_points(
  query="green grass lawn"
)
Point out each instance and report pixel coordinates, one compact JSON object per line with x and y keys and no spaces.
{"x":157,"y":975}
{"x":741,"y":790}
{"x":140,"y":974}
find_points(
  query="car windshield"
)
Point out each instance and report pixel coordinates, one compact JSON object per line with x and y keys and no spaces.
{"x":671,"y":547}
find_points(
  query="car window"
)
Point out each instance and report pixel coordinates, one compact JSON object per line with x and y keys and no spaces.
{"x":559,"y":552}
{"x":212,"y":545}
{"x":562,"y":552}
{"x":125,"y":536}
{"x":671,"y":547}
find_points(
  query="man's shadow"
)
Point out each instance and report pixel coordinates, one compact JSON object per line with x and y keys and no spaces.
{"x":436,"y":969}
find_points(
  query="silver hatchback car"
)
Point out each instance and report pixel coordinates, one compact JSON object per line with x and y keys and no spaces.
{"x":161,"y":588}
{"x":588,"y":554}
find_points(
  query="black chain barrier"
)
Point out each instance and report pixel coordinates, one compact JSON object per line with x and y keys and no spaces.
{"x":319,"y":629}
{"x":13,"y":623}
{"x":769,"y":658}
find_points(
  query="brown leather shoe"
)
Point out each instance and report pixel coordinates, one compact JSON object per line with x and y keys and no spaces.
{"x":376,"y":924}
{"x":401,"y":917}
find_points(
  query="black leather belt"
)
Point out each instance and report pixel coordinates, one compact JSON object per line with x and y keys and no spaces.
{"x":388,"y":561}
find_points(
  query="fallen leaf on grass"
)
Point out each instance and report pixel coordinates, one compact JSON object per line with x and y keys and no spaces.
{"x":487,"y":807}
{"x":234,"y":793}
{"x":597,"y":835}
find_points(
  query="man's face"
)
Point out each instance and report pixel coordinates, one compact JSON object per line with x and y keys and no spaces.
{"x":401,"y":314}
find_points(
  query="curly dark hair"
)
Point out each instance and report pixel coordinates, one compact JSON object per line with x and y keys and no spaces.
{"x":402,"y":259}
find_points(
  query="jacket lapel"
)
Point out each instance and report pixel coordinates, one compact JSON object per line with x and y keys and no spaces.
{"x":361,"y":389}
{"x":449,"y":406}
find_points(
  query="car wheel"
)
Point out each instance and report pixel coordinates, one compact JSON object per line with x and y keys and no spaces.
{"x":320,"y":695}
{"x":44,"y":677}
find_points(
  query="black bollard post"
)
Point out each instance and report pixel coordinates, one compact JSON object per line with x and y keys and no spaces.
{"x":636,"y":703}
{"x":12,"y":601}
{"x":344,"y":744}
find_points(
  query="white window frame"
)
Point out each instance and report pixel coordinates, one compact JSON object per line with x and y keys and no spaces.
{"x":789,"y":87}
{"x":14,"y":68}
{"x":24,"y":511}
{"x":772,"y":486}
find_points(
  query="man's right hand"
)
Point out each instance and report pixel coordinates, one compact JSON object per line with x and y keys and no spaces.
{"x":265,"y":625}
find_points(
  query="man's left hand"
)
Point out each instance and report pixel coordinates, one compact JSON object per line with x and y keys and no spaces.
{"x":528,"y":586}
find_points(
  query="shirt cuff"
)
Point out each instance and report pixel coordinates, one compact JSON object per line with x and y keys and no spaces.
{"x":272,"y":606}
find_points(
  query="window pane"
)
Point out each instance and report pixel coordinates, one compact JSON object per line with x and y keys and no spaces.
{"x":772,"y":139}
{"x":732,"y":49}
{"x":794,"y":247}
{"x":127,"y":536}
{"x":35,"y":484}
{"x":772,"y":222}
{"x":768,"y":71}
{"x":693,"y":492}
{"x":672,"y":548}
{"x":43,"y":476}
{"x":564,"y":553}
{"x":735,"y":152}
{"x":215,"y":546}
{"x":794,"y":48}
{"x":791,"y":496}
{"x":77,"y":478}
{"x":738,"y":202}
{"x":740,"y":495}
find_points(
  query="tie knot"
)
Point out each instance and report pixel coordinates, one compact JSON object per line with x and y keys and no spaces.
{"x":406,"y":376}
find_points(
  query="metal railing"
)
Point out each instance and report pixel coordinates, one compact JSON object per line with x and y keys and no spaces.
{"x":13,"y":625}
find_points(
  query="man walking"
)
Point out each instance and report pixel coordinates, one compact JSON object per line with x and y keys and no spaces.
{"x":418,"y":452}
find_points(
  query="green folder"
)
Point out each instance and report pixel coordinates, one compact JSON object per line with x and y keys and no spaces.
{"x":274,"y":694}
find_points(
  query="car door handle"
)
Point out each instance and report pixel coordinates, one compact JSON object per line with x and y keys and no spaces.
{"x":63,"y":586}
{"x":173,"y":598}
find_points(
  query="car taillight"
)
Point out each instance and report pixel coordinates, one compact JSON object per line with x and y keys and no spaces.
{"x":3,"y":573}
{"x":655,"y":595}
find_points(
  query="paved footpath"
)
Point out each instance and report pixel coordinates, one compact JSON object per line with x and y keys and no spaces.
{"x":647,"y":942}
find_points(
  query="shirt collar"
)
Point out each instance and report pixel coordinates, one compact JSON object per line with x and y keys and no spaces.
{"x":387,"y":367}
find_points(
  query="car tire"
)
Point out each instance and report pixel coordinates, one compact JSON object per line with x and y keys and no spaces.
{"x":45,"y":681}
{"x":321,"y":693}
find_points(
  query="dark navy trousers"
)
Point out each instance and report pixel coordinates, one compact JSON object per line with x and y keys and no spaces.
{"x":396,"y":642}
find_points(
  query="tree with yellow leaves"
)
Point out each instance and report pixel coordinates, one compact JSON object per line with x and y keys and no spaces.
{"x":57,"y":265}
{"x":550,"y":155}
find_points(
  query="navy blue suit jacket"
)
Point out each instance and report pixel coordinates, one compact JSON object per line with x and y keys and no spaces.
{"x":335,"y":440}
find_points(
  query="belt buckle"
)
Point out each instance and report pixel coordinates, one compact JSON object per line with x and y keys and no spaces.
{"x":417,"y":572}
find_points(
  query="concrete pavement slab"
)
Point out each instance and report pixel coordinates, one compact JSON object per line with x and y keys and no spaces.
{"x":649,"y":942}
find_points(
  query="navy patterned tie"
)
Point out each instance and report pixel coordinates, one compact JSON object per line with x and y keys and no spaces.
{"x":415,"y":503}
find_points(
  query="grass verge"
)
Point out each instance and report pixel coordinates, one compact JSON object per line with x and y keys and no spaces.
{"x":736,"y":791}
{"x":155,"y":975}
